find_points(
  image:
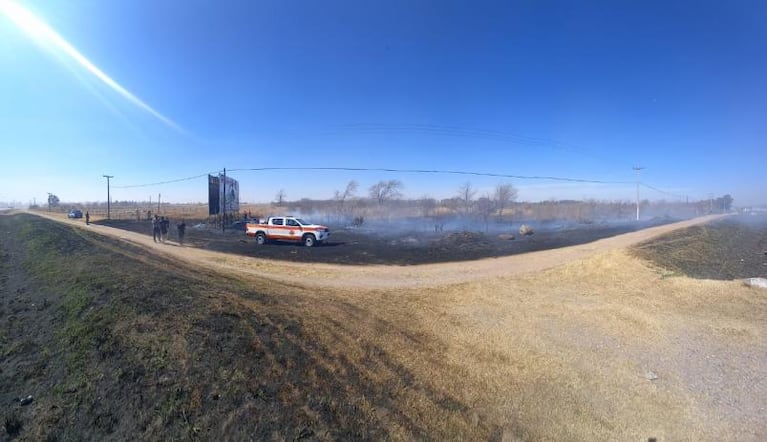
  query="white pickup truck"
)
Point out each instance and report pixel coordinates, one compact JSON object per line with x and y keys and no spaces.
{"x":287,"y":228}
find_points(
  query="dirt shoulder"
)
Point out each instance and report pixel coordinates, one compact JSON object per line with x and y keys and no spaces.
{"x":382,"y":276}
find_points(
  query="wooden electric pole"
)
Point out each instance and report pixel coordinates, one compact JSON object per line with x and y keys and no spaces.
{"x":109,"y":199}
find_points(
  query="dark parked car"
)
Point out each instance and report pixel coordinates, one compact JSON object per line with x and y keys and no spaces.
{"x":75,"y":213}
{"x":239,"y":225}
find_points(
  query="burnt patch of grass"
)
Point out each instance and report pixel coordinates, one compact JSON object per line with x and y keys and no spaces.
{"x":12,"y":425}
{"x":728,"y":249}
{"x":406,"y":247}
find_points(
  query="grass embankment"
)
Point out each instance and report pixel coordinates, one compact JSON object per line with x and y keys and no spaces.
{"x":114,"y":343}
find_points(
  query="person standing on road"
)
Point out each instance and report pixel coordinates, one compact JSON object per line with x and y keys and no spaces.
{"x":164,"y":224}
{"x":87,"y":218}
{"x":181,"y":231}
{"x":156,"y":228}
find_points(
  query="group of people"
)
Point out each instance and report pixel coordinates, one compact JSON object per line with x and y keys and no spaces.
{"x":161,"y":228}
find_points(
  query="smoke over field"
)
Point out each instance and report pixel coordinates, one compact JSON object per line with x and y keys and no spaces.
{"x":404,"y":242}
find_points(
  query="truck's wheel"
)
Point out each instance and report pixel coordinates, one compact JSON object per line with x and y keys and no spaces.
{"x":260,"y":238}
{"x":309,"y":240}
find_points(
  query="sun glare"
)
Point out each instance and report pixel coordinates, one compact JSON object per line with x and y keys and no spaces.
{"x":49,"y":39}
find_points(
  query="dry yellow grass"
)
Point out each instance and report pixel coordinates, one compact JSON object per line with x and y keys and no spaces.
{"x":563,"y":353}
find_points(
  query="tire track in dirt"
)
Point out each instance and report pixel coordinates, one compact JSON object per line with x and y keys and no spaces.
{"x":383,"y":276}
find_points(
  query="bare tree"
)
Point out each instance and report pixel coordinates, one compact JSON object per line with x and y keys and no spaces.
{"x":348,"y":193}
{"x":466,"y":194}
{"x":485,"y":208}
{"x":452,"y":204}
{"x":427,"y":204}
{"x":341,"y":198}
{"x":281,"y":197}
{"x":53,"y":201}
{"x":383,"y":191}
{"x":505,"y":193}
{"x":723,"y":203}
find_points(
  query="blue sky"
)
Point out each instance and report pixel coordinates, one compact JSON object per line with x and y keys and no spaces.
{"x":570,"y":89}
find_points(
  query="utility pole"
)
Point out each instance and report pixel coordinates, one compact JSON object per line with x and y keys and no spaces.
{"x":637,"y":169}
{"x":158,"y":202}
{"x":223,"y":224}
{"x":109,"y":200}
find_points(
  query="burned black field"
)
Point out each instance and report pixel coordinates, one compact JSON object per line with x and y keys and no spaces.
{"x":731,"y":248}
{"x":402,"y":246}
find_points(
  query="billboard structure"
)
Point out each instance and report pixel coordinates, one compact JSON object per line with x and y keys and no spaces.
{"x":223,"y":195}
{"x":214,"y":205}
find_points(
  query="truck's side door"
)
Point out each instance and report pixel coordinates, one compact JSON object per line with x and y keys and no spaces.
{"x":276,"y":229}
{"x":294,"y":229}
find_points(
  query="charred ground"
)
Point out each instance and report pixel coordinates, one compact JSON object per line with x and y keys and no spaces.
{"x":731,"y":248}
{"x":360,"y":246}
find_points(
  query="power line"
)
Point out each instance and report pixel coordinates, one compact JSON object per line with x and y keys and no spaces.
{"x":662,"y":191}
{"x":434,"y":171}
{"x":131,"y":186}
{"x":393,"y":170}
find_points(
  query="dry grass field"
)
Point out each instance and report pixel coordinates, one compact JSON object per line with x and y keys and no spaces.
{"x":583,"y":343}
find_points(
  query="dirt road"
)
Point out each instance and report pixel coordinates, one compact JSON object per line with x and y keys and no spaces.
{"x":382,"y":276}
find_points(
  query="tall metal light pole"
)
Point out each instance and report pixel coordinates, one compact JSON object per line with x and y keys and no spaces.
{"x":109,"y":200}
{"x":637,"y":169}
